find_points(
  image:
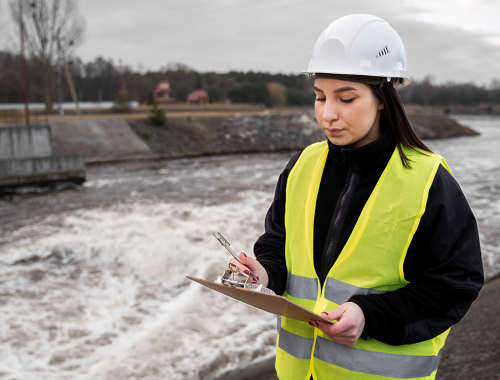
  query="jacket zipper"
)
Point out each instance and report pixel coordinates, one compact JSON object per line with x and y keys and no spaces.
{"x":338,"y":217}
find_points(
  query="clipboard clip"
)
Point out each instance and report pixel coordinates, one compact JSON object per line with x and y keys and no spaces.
{"x":233,"y":276}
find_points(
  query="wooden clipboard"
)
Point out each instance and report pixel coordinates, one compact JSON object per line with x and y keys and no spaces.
{"x":268,"y":302}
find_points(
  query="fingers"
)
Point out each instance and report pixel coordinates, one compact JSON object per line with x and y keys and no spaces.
{"x":248,"y":262}
{"x":338,"y":328}
{"x":254,"y":266}
{"x":341,"y":325}
{"x":338,"y":332}
{"x":242,"y":267}
{"x":349,"y":326}
{"x":334,"y":314}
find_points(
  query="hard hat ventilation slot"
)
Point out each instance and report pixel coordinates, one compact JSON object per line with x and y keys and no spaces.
{"x":383,"y":52}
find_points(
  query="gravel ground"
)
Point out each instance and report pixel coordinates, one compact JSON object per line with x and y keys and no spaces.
{"x":472,"y":350}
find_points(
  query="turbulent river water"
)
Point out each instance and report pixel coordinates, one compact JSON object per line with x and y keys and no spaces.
{"x":92,"y":280}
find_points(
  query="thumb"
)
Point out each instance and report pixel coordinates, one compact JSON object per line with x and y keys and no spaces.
{"x":334,"y":314}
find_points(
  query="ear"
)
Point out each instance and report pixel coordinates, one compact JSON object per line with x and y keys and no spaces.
{"x":380,"y":106}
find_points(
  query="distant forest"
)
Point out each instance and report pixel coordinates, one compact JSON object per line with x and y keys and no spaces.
{"x":101,"y":76}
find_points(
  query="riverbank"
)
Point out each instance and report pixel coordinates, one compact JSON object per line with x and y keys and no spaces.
{"x":471,"y":350}
{"x":266,"y":132}
{"x":202,"y":131}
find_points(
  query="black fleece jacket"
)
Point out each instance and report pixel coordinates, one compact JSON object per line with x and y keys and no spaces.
{"x":443,"y":263}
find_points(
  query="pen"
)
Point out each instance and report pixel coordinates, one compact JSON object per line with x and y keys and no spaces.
{"x":226,"y":245}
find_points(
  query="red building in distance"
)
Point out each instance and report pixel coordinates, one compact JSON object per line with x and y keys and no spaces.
{"x":199,"y":97}
{"x":163,"y":93}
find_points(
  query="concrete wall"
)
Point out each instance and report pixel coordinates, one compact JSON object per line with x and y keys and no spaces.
{"x":25,"y":142}
{"x":93,"y":138}
{"x":24,"y":171}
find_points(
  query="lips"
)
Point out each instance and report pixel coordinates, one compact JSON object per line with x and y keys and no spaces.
{"x":333,"y":131}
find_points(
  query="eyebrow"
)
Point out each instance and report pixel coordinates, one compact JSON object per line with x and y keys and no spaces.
{"x":345,"y":88}
{"x":341,"y":89}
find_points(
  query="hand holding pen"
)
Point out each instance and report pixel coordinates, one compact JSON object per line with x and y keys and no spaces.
{"x":247,"y":265}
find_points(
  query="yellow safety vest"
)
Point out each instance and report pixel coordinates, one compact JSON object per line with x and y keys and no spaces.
{"x":371,"y":262}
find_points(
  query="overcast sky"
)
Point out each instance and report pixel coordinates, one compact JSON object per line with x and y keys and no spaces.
{"x":455,"y":40}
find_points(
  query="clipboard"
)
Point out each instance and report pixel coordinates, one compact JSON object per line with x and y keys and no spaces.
{"x":271,"y":303}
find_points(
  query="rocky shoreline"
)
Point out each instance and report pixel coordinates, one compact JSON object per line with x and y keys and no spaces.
{"x":182,"y":137}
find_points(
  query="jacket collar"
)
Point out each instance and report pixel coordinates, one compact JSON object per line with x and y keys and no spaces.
{"x":368,"y":158}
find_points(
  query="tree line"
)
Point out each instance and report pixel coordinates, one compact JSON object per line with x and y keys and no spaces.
{"x":99,"y":80}
{"x":426,"y":92}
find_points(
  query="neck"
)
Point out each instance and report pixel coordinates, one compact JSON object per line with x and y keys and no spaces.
{"x":368,"y":157}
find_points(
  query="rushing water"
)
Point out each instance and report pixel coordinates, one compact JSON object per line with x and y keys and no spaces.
{"x":92,"y":281}
{"x":475,"y":163}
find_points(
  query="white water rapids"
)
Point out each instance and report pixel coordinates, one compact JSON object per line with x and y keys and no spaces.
{"x":106,"y":296}
{"x":97,"y":290}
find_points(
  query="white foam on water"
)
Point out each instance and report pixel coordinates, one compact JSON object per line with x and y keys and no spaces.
{"x":475,"y":162}
{"x":105,"y":296}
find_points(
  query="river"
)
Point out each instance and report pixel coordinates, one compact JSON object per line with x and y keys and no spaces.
{"x":93,"y":279}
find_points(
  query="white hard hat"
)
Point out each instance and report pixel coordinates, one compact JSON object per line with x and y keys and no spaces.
{"x":361,"y":45}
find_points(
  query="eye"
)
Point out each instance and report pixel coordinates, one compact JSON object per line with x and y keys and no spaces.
{"x":320,"y":99}
{"x":347,"y":100}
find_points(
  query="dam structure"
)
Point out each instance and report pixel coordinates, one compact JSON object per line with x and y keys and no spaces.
{"x":26,"y":159}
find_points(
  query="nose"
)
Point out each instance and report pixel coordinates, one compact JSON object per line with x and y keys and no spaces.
{"x":330,"y":112}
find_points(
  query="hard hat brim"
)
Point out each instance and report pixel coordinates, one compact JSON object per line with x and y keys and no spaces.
{"x":366,"y":79}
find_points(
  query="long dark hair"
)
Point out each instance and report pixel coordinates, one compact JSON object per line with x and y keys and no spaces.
{"x":394,"y":115}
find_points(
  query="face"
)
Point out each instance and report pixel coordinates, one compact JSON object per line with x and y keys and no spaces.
{"x":347,"y":112}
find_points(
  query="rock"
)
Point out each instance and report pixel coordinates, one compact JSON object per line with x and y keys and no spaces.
{"x":437,"y":126}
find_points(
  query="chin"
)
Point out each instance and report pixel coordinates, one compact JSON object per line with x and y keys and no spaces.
{"x":339,"y":141}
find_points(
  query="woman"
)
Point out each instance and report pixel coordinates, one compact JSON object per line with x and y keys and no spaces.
{"x":368,"y":228}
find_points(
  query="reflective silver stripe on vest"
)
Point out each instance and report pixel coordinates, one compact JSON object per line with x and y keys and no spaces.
{"x":375,"y":363}
{"x":302,"y":287}
{"x":340,"y":292}
{"x":295,"y":345}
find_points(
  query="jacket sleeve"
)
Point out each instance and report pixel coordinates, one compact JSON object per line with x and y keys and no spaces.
{"x":270,"y":247}
{"x":444,"y":267}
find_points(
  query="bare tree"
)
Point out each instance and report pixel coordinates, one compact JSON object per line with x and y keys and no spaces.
{"x":47,"y":23}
